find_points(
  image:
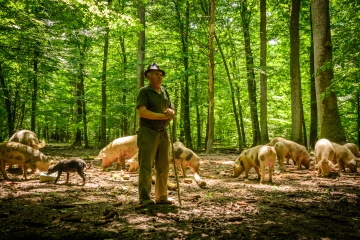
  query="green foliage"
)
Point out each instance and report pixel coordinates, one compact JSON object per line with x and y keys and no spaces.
{"x":69,"y":34}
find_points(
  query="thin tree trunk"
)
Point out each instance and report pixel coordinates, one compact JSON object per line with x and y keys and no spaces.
{"x":245,"y":17}
{"x":35,"y":90}
{"x":141,"y":54}
{"x":125,"y":117}
{"x":103,"y":86}
{"x":328,"y":112}
{"x":264,"y":136}
{"x":295,"y":81}
{"x":10,"y":116}
{"x":358,"y":112}
{"x":176,"y":107}
{"x":313,"y":108}
{"x":198,"y":117}
{"x":183,"y":25}
{"x":232,"y":92}
{"x":78,"y":112}
{"x":241,"y":118}
{"x":211,"y":117}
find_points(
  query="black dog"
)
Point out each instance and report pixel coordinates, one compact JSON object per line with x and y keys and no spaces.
{"x":73,"y":165}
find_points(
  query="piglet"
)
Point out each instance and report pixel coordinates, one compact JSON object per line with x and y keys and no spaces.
{"x":73,"y":165}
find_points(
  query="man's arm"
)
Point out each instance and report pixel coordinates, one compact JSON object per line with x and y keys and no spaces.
{"x":144,"y":113}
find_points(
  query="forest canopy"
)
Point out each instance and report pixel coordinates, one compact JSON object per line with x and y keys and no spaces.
{"x":66,"y":66}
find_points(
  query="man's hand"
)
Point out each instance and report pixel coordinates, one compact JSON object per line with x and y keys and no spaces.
{"x":170,"y":113}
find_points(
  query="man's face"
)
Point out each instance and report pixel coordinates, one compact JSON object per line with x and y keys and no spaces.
{"x":155,"y":78}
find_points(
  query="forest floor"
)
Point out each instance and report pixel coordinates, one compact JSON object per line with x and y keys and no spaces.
{"x":297,"y":205}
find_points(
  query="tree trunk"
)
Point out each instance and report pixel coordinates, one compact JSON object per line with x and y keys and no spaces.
{"x":198,"y":116}
{"x":358,"y":113}
{"x":125,"y":117}
{"x":313,"y":109}
{"x":80,"y":98}
{"x":240,"y":144}
{"x":241,"y":119}
{"x":183,"y":25}
{"x":34,"y":93}
{"x":211,"y":117}
{"x":10,"y":113}
{"x":103,"y":86}
{"x":295,"y":81}
{"x":78,"y":112}
{"x":141,"y":54}
{"x":328,"y":112}
{"x":245,"y":17}
{"x":264,"y":136}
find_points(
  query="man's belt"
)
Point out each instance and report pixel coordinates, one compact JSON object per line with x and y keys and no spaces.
{"x":161,"y":129}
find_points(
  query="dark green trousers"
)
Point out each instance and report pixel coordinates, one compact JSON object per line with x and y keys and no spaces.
{"x":153,"y":145}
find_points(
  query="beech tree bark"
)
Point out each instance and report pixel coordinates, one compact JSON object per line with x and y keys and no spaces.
{"x":328,"y":112}
{"x":295,"y":80}
{"x":264,"y":136}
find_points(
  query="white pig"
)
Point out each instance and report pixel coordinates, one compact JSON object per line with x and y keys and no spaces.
{"x":118,"y":150}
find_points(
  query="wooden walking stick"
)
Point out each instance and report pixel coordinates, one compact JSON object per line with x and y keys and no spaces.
{"x":173,"y":156}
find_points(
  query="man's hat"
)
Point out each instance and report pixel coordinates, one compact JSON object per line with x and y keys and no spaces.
{"x":153,"y":67}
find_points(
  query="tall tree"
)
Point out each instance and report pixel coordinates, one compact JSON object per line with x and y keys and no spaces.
{"x":141,"y":53}
{"x":328,"y":112}
{"x":313,"y":109}
{"x":35,"y":89}
{"x":245,"y":18}
{"x":103,"y":83}
{"x":295,"y":81}
{"x":232,"y":90}
{"x":211,"y":117}
{"x":264,"y":136}
{"x":183,"y":25}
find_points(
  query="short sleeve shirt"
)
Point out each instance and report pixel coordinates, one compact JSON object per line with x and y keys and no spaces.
{"x":155,"y":102}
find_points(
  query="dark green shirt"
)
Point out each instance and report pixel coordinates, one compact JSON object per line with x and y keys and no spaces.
{"x":155,"y":102}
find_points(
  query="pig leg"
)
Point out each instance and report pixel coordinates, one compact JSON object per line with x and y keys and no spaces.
{"x":2,"y":169}
{"x":194,"y":166}
{"x":298,"y":163}
{"x":257,"y":171}
{"x":184,"y":165}
{"x":263,"y":171}
{"x":25,"y":168}
{"x":281,"y":162}
{"x":118,"y":164}
{"x":271,"y":169}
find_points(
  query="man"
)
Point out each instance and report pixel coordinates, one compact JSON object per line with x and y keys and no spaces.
{"x":155,"y":110}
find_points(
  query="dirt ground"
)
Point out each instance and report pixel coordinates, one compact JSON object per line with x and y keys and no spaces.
{"x":297,"y":205}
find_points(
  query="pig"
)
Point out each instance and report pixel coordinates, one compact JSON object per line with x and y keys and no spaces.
{"x":267,"y":157}
{"x":353,"y":148}
{"x":273,"y":141}
{"x":117,"y":151}
{"x":184,"y":157}
{"x":290,"y":149}
{"x":133,"y":163}
{"x":344,"y":157}
{"x":248,"y":158}
{"x":20,"y":154}
{"x":72,"y":165}
{"x":258,"y":156}
{"x":28,"y":138}
{"x":324,"y":157}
